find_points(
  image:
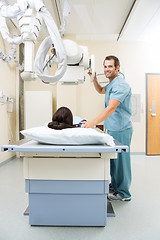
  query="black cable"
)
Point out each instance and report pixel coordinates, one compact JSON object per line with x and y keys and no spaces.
{"x":48,"y":61}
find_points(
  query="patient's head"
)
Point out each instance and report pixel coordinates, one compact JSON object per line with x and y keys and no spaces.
{"x":62,"y":118}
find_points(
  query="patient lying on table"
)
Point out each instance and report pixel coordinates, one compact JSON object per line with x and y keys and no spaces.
{"x":62,"y":119}
{"x":70,"y":134}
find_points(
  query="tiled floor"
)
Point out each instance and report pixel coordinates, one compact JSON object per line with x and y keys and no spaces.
{"x":135,"y":220}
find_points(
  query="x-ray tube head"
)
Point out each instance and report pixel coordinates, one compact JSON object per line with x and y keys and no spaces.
{"x":73,"y":51}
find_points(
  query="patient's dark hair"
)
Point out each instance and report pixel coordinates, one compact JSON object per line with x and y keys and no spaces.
{"x":62,"y":118}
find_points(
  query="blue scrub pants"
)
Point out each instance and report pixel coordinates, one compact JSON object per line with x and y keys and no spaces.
{"x":120,"y":168}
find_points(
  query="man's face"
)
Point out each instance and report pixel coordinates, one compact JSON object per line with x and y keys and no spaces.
{"x":110,"y":70}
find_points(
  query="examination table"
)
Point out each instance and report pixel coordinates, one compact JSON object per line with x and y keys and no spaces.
{"x":66,"y":185}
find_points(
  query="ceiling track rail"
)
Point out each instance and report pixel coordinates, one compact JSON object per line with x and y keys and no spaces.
{"x":125,"y":22}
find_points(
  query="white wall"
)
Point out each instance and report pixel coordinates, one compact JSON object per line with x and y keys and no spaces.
{"x":7,"y":120}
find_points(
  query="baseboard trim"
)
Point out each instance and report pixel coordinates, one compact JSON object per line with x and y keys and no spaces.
{"x":138,"y":153}
{"x":8,"y":160}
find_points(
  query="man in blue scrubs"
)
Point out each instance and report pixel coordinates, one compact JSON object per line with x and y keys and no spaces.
{"x":117,"y":121}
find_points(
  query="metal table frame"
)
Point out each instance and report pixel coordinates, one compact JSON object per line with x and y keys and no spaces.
{"x":30,"y":148}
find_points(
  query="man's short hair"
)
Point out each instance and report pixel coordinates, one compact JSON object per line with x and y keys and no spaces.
{"x":116,"y":60}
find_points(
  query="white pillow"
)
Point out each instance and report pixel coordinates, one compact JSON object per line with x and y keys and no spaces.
{"x":68,"y":136}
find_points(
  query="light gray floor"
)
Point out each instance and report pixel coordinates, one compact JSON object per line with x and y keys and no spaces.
{"x":135,"y":220}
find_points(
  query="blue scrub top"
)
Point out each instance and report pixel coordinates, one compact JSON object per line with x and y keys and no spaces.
{"x":120,"y":90}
